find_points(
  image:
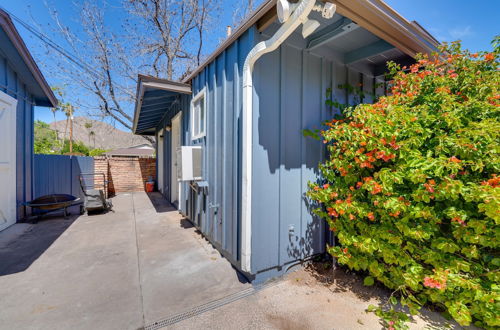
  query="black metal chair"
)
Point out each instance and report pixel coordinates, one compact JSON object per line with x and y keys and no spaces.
{"x":96,"y":200}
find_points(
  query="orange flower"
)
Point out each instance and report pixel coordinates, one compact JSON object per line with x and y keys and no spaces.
{"x":493,"y":182}
{"x":371,"y":216}
{"x":351,"y":217}
{"x":393,"y":144}
{"x":376,"y":189}
{"x":332,"y":212}
{"x":342,"y":172}
{"x":326,"y":186}
{"x":455,"y":160}
{"x":489,"y":57}
{"x":459,"y":220}
{"x":430,"y":186}
{"x":366,"y":164}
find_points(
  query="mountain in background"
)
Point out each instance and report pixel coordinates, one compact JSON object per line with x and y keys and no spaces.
{"x":105,"y":136}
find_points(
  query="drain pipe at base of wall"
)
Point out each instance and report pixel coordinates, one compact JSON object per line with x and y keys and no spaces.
{"x":299,"y":16}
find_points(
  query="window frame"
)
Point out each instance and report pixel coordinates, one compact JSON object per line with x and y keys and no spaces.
{"x":195,"y":115}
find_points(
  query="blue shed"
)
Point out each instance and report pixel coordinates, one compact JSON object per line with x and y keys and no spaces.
{"x":245,"y":109}
{"x":22,"y":86}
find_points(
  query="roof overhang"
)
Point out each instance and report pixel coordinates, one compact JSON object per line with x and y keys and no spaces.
{"x":373,"y":15}
{"x":16,"y":52}
{"x":154,"y":97}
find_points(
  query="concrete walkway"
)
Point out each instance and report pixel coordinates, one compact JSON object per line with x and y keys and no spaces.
{"x":121,"y":270}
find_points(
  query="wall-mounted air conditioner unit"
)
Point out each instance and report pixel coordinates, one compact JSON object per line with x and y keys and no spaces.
{"x":189,"y":163}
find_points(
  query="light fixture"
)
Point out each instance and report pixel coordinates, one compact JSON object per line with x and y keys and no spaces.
{"x":309,"y":27}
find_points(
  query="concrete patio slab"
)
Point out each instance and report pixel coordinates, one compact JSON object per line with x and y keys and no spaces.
{"x":183,"y":271}
{"x":120,"y":270}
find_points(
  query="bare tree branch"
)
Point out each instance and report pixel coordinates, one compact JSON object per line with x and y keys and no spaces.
{"x":164,"y":38}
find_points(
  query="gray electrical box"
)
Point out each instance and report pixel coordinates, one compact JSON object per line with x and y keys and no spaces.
{"x":189,"y":163}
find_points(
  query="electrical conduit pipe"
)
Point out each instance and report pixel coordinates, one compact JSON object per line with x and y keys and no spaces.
{"x":298,"y":17}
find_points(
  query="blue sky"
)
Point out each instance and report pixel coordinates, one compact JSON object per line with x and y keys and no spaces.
{"x":473,"y":22}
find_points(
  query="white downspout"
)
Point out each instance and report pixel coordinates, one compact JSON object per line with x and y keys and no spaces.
{"x":298,"y":17}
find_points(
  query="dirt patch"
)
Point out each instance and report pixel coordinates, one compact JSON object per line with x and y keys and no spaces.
{"x":282,"y":322}
{"x":336,"y":280}
{"x":342,"y":291}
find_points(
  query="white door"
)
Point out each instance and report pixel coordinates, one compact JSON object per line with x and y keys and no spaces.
{"x":7,"y":160}
{"x":159,"y":158}
{"x":176,"y":143}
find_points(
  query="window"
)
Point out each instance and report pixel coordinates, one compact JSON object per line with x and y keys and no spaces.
{"x":198,"y":116}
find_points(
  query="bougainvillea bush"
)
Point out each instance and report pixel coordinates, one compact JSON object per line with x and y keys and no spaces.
{"x":412,"y":187}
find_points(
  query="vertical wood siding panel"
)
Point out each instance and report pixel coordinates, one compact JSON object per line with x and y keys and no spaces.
{"x":266,"y":162}
{"x":3,"y":74}
{"x":368,"y":89}
{"x":202,"y":212}
{"x":219,"y":131}
{"x":379,"y":86}
{"x":237,"y":90}
{"x":229,"y":164}
{"x":290,"y":199}
{"x":312,"y":116}
{"x":210,"y":144}
{"x":353,"y":81}
{"x":339,"y":79}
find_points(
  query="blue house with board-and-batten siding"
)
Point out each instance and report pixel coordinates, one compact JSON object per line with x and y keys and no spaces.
{"x":239,"y":118}
{"x":22,"y":86}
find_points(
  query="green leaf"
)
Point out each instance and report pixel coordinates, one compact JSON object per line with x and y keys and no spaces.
{"x":311,"y":134}
{"x":369,"y":281}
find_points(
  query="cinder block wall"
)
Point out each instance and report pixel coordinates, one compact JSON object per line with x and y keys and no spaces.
{"x":126,"y":174}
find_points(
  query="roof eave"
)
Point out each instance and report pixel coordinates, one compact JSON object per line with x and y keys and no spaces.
{"x":349,"y":9}
{"x":11,"y":31}
{"x":144,"y":82}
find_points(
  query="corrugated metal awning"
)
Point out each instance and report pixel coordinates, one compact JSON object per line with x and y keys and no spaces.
{"x":155,"y":97}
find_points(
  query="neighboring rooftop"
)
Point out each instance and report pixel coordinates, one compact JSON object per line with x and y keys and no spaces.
{"x":136,"y":151}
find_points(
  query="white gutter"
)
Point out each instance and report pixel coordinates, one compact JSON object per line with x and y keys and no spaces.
{"x":298,"y":17}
